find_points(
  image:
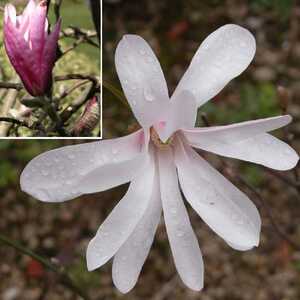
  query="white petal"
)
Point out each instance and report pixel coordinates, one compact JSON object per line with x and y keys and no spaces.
{"x":181,"y":114}
{"x":129,"y":260}
{"x":10,"y":12}
{"x":57,"y":175}
{"x":222,"y":56}
{"x":247,"y":141}
{"x":219,"y":203}
{"x":142,"y":79}
{"x":183,"y":241}
{"x":237,"y":132}
{"x":119,"y":225}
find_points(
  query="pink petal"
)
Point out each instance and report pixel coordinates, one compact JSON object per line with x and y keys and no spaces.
{"x":10,"y":14}
{"x":37,"y":30}
{"x":49,"y":54}
{"x":21,"y":57}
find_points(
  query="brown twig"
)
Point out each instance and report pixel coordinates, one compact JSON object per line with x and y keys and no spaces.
{"x":77,"y":103}
{"x":11,"y":85}
{"x":63,"y":275}
{"x":14,"y":121}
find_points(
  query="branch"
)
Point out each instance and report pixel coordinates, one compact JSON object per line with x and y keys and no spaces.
{"x":63,"y":275}
{"x":14,"y":121}
{"x":91,"y":78}
{"x":95,"y":9}
{"x":11,"y":85}
{"x":77,"y":103}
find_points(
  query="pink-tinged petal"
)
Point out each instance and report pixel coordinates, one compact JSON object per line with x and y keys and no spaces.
{"x":30,"y":9}
{"x":57,"y":175}
{"x":129,"y":259}
{"x":122,"y":221}
{"x":181,"y":113}
{"x":183,"y":241}
{"x":24,"y":19}
{"x":142,"y":79}
{"x":21,"y":57}
{"x":222,"y":56}
{"x":37,"y":34}
{"x":219,"y":203}
{"x":10,"y":14}
{"x":49,"y":55}
{"x":247,"y":141}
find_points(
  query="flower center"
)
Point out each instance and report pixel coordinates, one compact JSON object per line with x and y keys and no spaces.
{"x":158,"y":142}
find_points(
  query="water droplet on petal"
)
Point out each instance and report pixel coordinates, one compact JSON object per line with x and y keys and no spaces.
{"x":115,"y":151}
{"x":180,"y":233}
{"x":45,"y":172}
{"x":148,"y":94}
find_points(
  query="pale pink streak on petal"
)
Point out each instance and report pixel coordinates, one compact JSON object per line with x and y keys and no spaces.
{"x":181,"y":114}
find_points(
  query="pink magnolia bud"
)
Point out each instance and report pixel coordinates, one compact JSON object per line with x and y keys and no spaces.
{"x":89,"y":119}
{"x":31,"y":50}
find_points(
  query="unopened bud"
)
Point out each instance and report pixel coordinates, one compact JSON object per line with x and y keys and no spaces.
{"x":89,"y":119}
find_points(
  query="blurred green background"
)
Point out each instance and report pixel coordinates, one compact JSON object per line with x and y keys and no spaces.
{"x":174,"y":29}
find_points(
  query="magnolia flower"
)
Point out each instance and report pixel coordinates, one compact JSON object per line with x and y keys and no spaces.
{"x":159,"y":161}
{"x":31,"y":50}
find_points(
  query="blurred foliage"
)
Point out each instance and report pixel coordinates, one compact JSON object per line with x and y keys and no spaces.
{"x":253,"y":102}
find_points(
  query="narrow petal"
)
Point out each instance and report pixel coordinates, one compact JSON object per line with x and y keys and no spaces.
{"x":181,"y":114}
{"x":129,"y":259}
{"x":10,"y":14}
{"x":183,"y":241}
{"x":142,"y":79}
{"x":247,"y":141}
{"x":29,"y":9}
{"x":222,"y":56}
{"x":58,"y":175}
{"x":37,"y":30}
{"x":219,"y":203}
{"x":49,"y":55}
{"x":20,"y":56}
{"x":122,"y":221}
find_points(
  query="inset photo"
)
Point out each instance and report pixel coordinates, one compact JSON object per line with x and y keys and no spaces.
{"x":50,"y":68}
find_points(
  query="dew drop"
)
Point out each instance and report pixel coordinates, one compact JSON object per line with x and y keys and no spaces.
{"x":180,"y":233}
{"x":173,"y":211}
{"x":115,"y":151}
{"x":45,"y":172}
{"x":142,"y":52}
{"x":149,"y":95}
{"x":134,"y":102}
{"x":71,"y":156}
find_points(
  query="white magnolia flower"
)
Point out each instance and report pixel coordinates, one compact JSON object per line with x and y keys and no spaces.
{"x":159,"y":159}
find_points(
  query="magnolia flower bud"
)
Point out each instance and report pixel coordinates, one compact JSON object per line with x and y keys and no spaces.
{"x":31,"y":50}
{"x":89,"y":119}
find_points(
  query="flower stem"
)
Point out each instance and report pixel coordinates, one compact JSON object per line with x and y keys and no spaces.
{"x":115,"y":92}
{"x":63,"y":276}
